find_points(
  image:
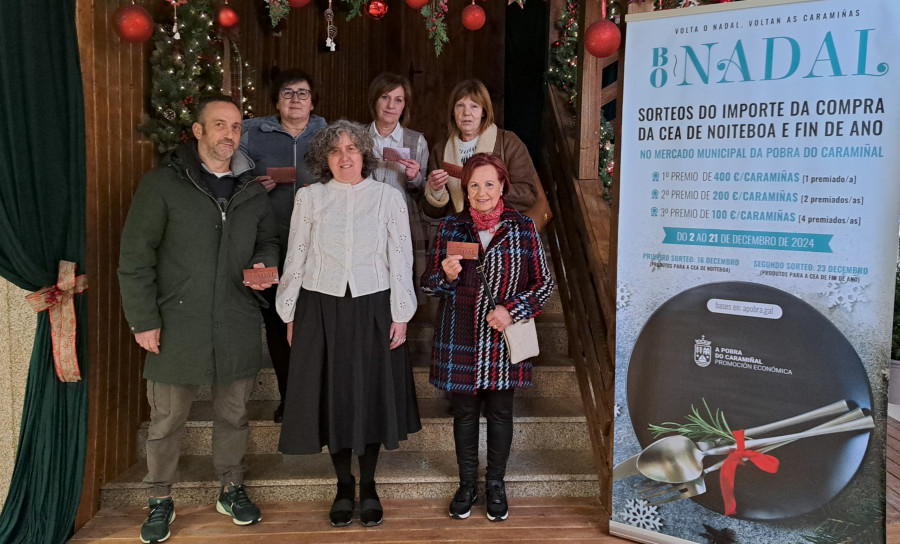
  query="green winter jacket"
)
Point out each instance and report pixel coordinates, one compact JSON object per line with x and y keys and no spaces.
{"x":181,"y":270}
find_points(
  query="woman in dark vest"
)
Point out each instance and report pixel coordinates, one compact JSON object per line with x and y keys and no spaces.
{"x":389,"y":101}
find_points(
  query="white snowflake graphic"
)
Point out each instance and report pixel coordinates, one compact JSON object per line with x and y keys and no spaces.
{"x":623,"y":296}
{"x":844,"y":294}
{"x":617,"y":410}
{"x":640,"y":514}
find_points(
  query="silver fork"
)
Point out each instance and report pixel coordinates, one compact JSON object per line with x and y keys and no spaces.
{"x":674,"y":492}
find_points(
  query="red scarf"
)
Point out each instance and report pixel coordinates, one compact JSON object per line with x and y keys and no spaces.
{"x":487,"y":221}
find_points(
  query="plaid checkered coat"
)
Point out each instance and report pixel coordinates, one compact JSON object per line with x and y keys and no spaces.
{"x":468,"y":354}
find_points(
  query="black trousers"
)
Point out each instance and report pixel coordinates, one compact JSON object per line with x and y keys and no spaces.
{"x":276,"y":341}
{"x":498,"y":410}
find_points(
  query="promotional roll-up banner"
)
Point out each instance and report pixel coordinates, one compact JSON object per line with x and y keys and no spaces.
{"x":760,"y":198}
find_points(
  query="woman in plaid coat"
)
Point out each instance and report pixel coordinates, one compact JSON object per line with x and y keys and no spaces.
{"x":470,"y":357}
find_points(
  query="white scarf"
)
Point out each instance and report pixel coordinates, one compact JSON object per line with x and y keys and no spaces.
{"x":486,"y":142}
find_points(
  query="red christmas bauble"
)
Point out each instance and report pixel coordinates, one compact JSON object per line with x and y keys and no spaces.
{"x":416,"y":4}
{"x":602,"y":39}
{"x":473,"y":17}
{"x":298,"y":3}
{"x":375,"y":9}
{"x":133,"y":23}
{"x":227,"y":17}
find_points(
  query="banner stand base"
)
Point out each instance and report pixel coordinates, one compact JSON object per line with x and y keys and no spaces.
{"x":642,"y":535}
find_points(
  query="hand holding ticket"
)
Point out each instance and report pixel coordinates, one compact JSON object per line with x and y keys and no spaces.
{"x":261,"y":276}
{"x":287,"y":174}
{"x":468,"y":250}
{"x":395,"y":153}
{"x":453,"y":169}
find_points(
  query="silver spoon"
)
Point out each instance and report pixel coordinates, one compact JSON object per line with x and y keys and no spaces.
{"x":676,"y":459}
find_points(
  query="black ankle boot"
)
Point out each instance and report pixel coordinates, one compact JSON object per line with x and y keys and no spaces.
{"x":342,"y":509}
{"x":370,"y":511}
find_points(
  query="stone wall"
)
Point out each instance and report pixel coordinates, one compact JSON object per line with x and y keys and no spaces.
{"x":17,"y":325}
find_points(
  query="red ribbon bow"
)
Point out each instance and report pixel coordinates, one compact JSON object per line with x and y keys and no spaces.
{"x":58,"y":299}
{"x":767,"y":463}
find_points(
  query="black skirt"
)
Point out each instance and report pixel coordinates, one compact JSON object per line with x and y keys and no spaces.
{"x":346,"y":387}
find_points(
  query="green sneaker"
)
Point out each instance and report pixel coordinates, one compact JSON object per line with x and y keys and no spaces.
{"x":156,"y":528}
{"x":233,"y":501}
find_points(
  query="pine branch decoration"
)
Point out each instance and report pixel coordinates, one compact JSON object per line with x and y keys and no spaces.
{"x":863,"y":525}
{"x":278,"y":10}
{"x":698,"y":429}
{"x":434,"y":14}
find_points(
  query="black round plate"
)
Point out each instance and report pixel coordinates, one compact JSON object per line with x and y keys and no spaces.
{"x":664,"y":381}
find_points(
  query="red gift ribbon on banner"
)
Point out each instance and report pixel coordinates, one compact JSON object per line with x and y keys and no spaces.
{"x":58,"y":299}
{"x":764,"y":462}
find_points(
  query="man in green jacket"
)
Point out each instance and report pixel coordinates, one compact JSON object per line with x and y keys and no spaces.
{"x":196,"y":222}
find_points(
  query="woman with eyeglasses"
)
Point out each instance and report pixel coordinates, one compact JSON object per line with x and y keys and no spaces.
{"x":278,"y":144}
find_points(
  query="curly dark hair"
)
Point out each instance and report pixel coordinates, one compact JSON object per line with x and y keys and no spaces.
{"x":325,"y":141}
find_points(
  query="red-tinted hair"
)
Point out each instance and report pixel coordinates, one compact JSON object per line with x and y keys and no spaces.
{"x":485,"y":159}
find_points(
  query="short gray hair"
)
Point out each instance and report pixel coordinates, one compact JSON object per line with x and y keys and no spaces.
{"x":325,"y":141}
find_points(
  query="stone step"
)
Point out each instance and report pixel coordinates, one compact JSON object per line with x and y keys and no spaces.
{"x":553,"y":376}
{"x":401,"y":474}
{"x":540,"y":423}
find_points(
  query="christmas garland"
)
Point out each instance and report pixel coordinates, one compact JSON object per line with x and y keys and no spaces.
{"x":436,"y":25}
{"x":185,"y":64}
{"x":562,"y":73}
{"x":434,"y":13}
{"x":278,"y":10}
{"x":673,"y":4}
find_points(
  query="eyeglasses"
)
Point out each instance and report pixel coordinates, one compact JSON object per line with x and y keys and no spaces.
{"x":288,"y":94}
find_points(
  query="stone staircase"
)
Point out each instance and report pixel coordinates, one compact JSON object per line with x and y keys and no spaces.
{"x":551,"y":451}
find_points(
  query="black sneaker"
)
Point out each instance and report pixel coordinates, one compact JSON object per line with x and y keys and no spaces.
{"x":341,"y":513}
{"x":465,"y":497}
{"x":233,"y":501}
{"x":371,"y":512}
{"x":156,"y":528}
{"x":497,"y":507}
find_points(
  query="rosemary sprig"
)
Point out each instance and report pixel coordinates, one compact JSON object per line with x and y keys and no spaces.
{"x":698,"y":429}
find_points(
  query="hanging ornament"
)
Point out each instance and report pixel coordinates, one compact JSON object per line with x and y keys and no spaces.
{"x":226,"y":16}
{"x":175,"y":3}
{"x":473,"y":16}
{"x":602,"y":39}
{"x":133,"y":23}
{"x":298,"y":3}
{"x":332,"y":30}
{"x":375,"y":9}
{"x":416,"y":4}
{"x":169,"y":114}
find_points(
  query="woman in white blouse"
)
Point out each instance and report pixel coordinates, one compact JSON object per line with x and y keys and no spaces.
{"x":347,"y":295}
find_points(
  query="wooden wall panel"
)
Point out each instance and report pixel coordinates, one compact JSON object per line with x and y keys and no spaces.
{"x":113,"y":76}
{"x":398,"y":43}
{"x":116,"y":77}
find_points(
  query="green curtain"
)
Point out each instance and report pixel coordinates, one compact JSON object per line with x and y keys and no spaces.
{"x":42,"y":221}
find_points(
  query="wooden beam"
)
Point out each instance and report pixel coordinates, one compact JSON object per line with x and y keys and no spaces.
{"x":590,"y":74}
